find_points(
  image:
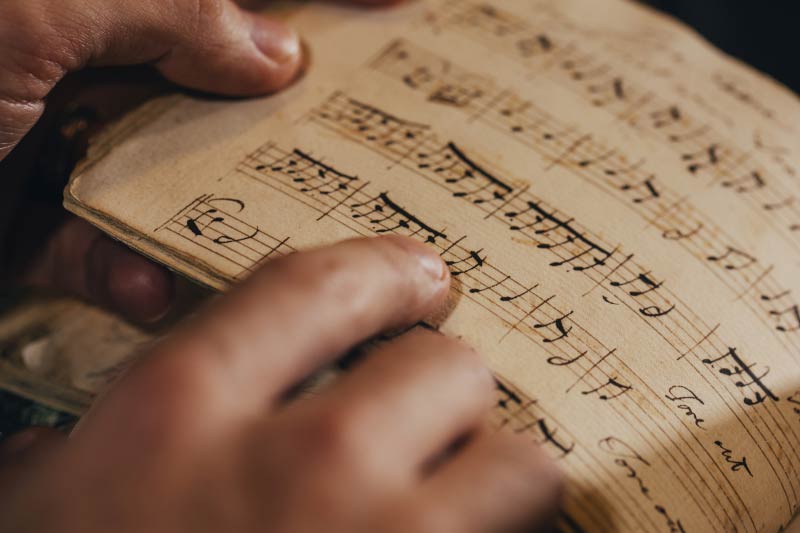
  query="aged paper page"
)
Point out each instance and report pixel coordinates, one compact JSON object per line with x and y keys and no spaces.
{"x":60,"y":352}
{"x":617,"y":203}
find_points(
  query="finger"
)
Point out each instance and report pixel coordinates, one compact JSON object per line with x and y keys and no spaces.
{"x":78,"y":258}
{"x":210,"y":45}
{"x":205,"y":44}
{"x":406,"y":403}
{"x":302,"y":311}
{"x":498,"y":482}
{"x":28,"y":442}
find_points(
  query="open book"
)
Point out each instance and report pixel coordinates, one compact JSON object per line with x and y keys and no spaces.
{"x":618,"y":202}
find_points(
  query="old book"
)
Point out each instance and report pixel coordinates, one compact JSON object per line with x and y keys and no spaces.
{"x":618,"y":203}
{"x":60,"y":352}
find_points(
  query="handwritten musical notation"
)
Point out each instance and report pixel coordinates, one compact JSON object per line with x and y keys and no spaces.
{"x":571,"y":246}
{"x":705,"y":151}
{"x":668,"y":409}
{"x":525,"y":307}
{"x":609,"y":169}
{"x":517,"y":412}
{"x":738,"y":89}
{"x":651,"y":51}
{"x":215,"y":224}
{"x":599,"y":373}
{"x":520,"y":414}
{"x":379,"y":132}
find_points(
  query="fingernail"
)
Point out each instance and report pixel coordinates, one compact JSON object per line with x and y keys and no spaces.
{"x":276,"y":40}
{"x":428,"y":258}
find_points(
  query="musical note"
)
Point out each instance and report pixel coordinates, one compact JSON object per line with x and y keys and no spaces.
{"x":382,"y":210}
{"x":648,"y":185}
{"x":214,"y":224}
{"x":655,"y":311}
{"x":775,"y":297}
{"x":462,"y":94}
{"x":788,"y":202}
{"x":520,"y":295}
{"x":583,"y":68}
{"x":748,"y":183}
{"x":331,"y":180}
{"x":779,"y":154}
{"x":419,"y":77}
{"x":733,"y":259}
{"x":459,"y":168}
{"x":550,"y":437}
{"x":795,"y":400}
{"x":615,"y":388}
{"x":610,"y":90}
{"x":597,"y":255}
{"x":512,"y":106}
{"x":463,"y":265}
{"x":491,"y":287}
{"x":588,"y":162}
{"x":534,"y":45}
{"x":794,"y":314}
{"x":666,"y":117}
{"x":644,"y":279}
{"x":557,"y":360}
{"x":736,"y":89}
{"x":514,"y":408}
{"x":371,"y":124}
{"x":677,"y":234}
{"x":689,"y":135}
{"x":709,"y":157}
{"x":750,"y":380}
{"x":558,"y":323}
{"x":213,"y":218}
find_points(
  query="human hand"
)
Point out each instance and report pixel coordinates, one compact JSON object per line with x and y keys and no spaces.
{"x":201,"y":435}
{"x":208,"y":45}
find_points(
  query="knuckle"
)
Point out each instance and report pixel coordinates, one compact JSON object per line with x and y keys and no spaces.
{"x":35,"y":53}
{"x":172,"y":384}
{"x":337,"y":435}
{"x":465,"y":360}
{"x":427,"y":517}
{"x":528,"y":465}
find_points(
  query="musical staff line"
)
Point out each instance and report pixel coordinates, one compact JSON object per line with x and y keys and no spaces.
{"x":206,"y":223}
{"x":599,"y":84}
{"x":605,"y":168}
{"x":339,"y":122}
{"x":270,"y":153}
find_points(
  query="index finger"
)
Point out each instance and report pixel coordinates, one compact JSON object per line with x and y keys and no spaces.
{"x":302,"y":311}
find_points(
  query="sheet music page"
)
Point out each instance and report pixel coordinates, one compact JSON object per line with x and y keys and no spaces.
{"x":617,"y":201}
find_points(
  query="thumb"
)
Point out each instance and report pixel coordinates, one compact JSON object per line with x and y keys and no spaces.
{"x":209,"y":45}
{"x":79,"y":259}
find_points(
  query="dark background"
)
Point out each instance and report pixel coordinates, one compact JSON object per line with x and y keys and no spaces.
{"x":763,"y":33}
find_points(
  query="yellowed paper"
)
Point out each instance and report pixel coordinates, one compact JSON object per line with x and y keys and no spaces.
{"x":61,"y":352}
{"x":617,"y":202}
